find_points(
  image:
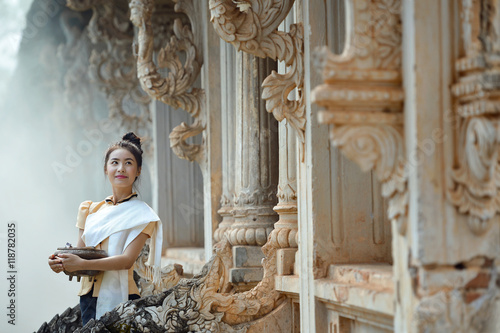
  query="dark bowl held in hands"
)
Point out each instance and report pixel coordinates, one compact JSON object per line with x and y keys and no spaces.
{"x":88,"y":253}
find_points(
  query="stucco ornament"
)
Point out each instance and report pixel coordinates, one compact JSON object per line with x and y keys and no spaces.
{"x":111,"y":67}
{"x":204,"y":303}
{"x":477,"y":174}
{"x":363,"y":97}
{"x":252,"y":27}
{"x":174,"y":89}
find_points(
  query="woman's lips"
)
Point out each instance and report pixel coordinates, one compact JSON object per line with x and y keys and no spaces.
{"x":120,"y":177}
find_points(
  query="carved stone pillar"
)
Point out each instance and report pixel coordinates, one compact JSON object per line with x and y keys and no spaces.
{"x":256,"y":177}
{"x":228,"y":110}
{"x":284,"y":236}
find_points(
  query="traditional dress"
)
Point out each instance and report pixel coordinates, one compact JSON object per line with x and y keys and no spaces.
{"x":119,"y":225}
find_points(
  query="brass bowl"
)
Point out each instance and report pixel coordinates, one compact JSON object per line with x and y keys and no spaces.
{"x":88,"y":253}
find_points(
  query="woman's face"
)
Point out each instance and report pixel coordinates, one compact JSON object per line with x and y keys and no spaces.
{"x":122,"y":169}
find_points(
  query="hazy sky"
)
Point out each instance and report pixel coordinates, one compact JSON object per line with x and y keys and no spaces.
{"x":12,"y":23}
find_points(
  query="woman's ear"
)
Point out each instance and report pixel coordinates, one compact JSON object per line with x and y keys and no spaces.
{"x":139,"y":171}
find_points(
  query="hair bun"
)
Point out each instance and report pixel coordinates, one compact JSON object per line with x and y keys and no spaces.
{"x":134,"y":139}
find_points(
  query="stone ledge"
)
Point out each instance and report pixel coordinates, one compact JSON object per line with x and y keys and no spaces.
{"x":288,"y":284}
{"x":373,"y":276}
{"x":345,"y":295}
{"x":368,"y":287}
{"x":192,"y":259}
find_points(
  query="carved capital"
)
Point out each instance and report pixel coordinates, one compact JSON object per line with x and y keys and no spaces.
{"x":363,"y":97}
{"x":176,"y":88}
{"x":252,"y":26}
{"x":477,"y":173}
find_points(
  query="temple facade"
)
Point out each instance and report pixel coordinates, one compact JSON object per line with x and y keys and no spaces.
{"x":344,"y":159}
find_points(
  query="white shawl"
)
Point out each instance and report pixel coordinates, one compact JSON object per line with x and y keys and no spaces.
{"x":122,"y":224}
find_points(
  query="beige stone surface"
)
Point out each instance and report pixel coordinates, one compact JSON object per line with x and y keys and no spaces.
{"x":373,"y":206}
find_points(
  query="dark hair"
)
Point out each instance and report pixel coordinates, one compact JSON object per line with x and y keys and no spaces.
{"x":130,"y":142}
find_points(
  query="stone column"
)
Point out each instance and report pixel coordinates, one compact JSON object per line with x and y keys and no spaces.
{"x":228,"y":110}
{"x":285,"y":233}
{"x":256,"y":172}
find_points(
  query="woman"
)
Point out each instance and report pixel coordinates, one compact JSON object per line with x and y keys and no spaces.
{"x":120,"y":224}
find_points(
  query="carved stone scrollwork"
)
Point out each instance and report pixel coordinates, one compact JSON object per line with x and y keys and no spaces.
{"x":364,"y":98}
{"x":176,"y":88}
{"x":170,"y":275}
{"x":68,"y":321}
{"x":200,"y":304}
{"x":251,"y":26}
{"x":477,"y":174}
{"x":112,"y":67}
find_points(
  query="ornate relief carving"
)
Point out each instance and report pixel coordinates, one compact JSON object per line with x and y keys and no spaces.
{"x":170,"y":275}
{"x":477,"y":174}
{"x":251,"y":26}
{"x":111,"y":66}
{"x":259,"y":197}
{"x":176,"y":88}
{"x":287,"y":193}
{"x":68,"y":321}
{"x":364,"y":98}
{"x":200,"y":304}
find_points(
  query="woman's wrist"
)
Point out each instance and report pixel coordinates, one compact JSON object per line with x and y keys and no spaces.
{"x":84,"y":264}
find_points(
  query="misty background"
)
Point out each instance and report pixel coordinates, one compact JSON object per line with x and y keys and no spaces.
{"x":54,"y":129}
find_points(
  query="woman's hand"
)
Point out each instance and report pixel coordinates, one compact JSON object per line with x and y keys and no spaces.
{"x":72,"y":262}
{"x":55,"y":264}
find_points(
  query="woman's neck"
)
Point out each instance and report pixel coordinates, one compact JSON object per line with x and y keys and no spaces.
{"x":121,"y":193}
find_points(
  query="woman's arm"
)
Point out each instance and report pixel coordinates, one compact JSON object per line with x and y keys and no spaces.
{"x":126,"y":260}
{"x":80,"y":242}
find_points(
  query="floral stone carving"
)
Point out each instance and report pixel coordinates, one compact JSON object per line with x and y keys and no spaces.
{"x":252,"y":26}
{"x":175,"y":89}
{"x":112,"y":66}
{"x":363,"y":97}
{"x":201,"y":304}
{"x":477,"y":174}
